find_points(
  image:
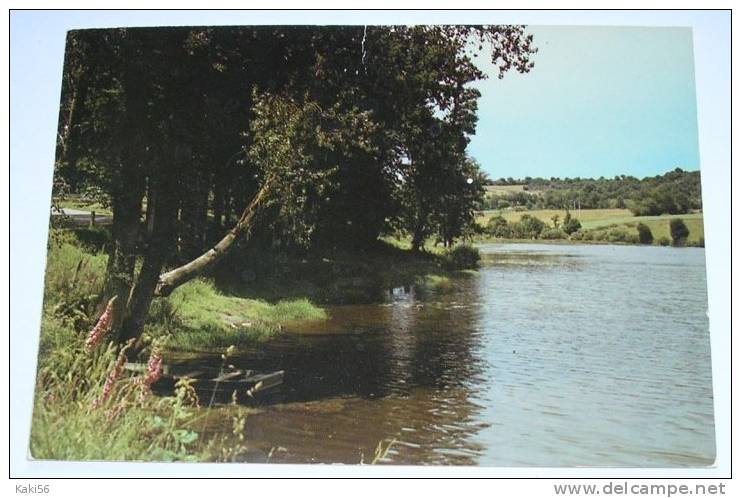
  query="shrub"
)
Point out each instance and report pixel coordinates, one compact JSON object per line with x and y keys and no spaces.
{"x":620,"y":235}
{"x":498,"y":227}
{"x":463,"y":257}
{"x":529,"y":227}
{"x":570,"y":225}
{"x":678,"y":231}
{"x":644,"y":234}
{"x":93,"y":239}
{"x":664,"y":241}
{"x":553,"y":234}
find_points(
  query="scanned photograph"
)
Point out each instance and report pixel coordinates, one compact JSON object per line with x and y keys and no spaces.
{"x":377,"y":245}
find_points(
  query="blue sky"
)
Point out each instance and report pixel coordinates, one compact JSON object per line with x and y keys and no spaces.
{"x":600,"y":101}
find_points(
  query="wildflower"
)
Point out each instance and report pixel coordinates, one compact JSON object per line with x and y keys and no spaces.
{"x":105,"y":322}
{"x":154,"y":369}
{"x":113,"y":376}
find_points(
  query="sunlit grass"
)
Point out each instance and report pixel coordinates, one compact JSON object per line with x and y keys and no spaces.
{"x":207,"y":319}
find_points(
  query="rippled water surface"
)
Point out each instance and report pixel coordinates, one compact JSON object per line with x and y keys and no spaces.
{"x":547,"y":356}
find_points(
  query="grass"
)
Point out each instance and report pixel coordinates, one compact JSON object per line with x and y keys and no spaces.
{"x":74,"y":420}
{"x":659,"y":226}
{"x":131,"y":424}
{"x":503,"y":189}
{"x":208,"y":320}
{"x":137,"y":426}
{"x":589,"y":218}
{"x":199,"y":316}
{"x":599,"y":220}
{"x":85,"y":206}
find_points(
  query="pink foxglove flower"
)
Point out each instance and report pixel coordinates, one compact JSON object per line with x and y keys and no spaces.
{"x":154,"y":369}
{"x":105,"y":322}
{"x":113,"y":376}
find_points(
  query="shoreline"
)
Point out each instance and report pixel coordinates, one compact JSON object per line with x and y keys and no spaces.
{"x":566,"y":242}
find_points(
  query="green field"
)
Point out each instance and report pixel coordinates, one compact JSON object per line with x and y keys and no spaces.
{"x":85,"y":206}
{"x":503,"y":189}
{"x":596,"y":219}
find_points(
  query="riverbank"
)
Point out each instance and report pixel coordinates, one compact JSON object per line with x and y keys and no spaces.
{"x":247,"y":300}
{"x":229,"y":311}
{"x":601,"y":226}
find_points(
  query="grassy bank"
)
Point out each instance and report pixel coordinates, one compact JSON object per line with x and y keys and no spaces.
{"x":248,"y":300}
{"x":603,"y":225}
{"x":201,"y":318}
{"x":198,"y":315}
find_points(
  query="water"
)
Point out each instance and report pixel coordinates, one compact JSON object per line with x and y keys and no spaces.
{"x":548,"y":356}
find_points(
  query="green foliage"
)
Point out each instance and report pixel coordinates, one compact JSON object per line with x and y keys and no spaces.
{"x":297,"y":149}
{"x":664,"y":241}
{"x":620,"y":234}
{"x":498,"y":227}
{"x":334,"y":146}
{"x":675,"y":192}
{"x":570,"y":224}
{"x":529,"y":227}
{"x":74,"y":280}
{"x":463,"y":257}
{"x":664,"y":199}
{"x":96,"y":239}
{"x":70,"y":412}
{"x":553,"y":234}
{"x":644,"y":234}
{"x":679,"y":231}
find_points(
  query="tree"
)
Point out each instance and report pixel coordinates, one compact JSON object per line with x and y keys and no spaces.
{"x":200,"y":137}
{"x":498,"y":227}
{"x":678,"y":231}
{"x":529,"y":227}
{"x":292,"y":150}
{"x":570,"y":224}
{"x":555,"y":219}
{"x":644,"y":234}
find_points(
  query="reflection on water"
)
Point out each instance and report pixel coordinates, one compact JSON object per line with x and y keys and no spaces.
{"x":548,"y":356}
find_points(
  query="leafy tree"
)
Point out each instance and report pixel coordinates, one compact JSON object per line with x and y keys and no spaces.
{"x":199,"y":137}
{"x":644,"y":234}
{"x":678,"y":231}
{"x":498,"y":227}
{"x":570,"y":224}
{"x":529,"y":227}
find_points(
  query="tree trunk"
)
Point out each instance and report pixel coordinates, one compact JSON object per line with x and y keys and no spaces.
{"x":122,"y":254}
{"x":171,"y":280}
{"x":418,"y":240}
{"x":194,"y":219}
{"x":158,"y":248}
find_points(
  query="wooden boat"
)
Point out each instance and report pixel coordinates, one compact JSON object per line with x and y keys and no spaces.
{"x":215,"y":382}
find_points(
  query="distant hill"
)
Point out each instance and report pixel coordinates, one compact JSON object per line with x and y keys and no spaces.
{"x":675,"y":192}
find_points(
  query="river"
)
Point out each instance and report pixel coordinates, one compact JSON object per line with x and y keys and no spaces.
{"x":549,"y":355}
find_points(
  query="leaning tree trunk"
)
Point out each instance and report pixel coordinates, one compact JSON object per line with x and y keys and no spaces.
{"x":171,"y":280}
